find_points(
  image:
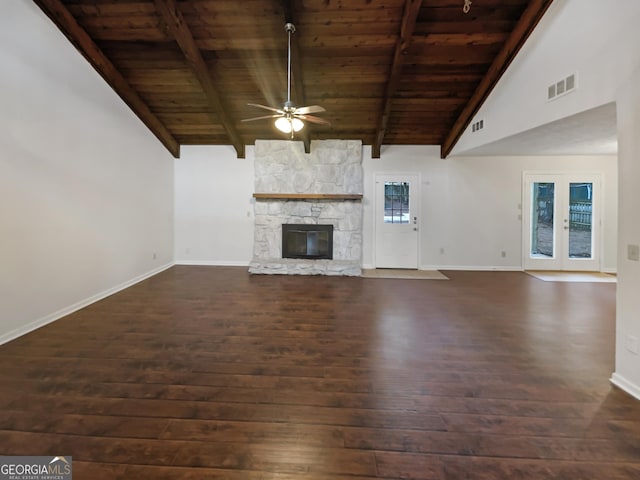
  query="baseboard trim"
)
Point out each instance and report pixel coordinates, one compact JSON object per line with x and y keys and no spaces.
{"x":624,"y":384}
{"x":41,"y":322}
{"x":214,"y":263}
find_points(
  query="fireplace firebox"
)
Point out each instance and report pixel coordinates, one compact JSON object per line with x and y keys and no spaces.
{"x":307,"y":241}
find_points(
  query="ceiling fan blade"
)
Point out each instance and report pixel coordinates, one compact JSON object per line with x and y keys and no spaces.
{"x":312,"y":119}
{"x":266,"y":108}
{"x":309,"y":109}
{"x":260,"y":118}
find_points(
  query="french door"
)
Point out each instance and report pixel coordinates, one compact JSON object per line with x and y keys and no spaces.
{"x":396,"y":225}
{"x":561,"y":227}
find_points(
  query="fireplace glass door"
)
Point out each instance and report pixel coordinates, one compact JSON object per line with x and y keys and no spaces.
{"x":307,"y":241}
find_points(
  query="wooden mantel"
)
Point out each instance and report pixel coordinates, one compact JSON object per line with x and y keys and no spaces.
{"x":308,"y":196}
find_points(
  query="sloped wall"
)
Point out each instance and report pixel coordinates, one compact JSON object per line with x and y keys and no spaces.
{"x":86,"y":191}
{"x":598,"y":41}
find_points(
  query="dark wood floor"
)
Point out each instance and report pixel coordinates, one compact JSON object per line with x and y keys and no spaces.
{"x":210,"y":373}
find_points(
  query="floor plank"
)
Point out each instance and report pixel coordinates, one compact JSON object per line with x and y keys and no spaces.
{"x":211,"y":373}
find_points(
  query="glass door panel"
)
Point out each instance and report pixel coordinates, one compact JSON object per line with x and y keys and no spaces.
{"x":396,"y":202}
{"x":580,"y":220}
{"x":542,"y":228}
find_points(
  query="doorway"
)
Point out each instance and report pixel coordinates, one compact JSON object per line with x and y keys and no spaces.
{"x":561,"y":227}
{"x":397,"y":203}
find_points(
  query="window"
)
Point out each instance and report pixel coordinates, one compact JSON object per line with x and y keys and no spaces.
{"x":396,"y":202}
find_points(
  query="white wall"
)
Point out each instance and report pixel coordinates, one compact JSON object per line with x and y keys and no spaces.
{"x":470,"y":205}
{"x":627,"y":374}
{"x":214,"y":206}
{"x":85,"y":190}
{"x":598,"y":40}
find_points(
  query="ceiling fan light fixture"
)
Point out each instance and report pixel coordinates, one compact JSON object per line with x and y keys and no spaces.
{"x":284,"y":125}
{"x":289,"y":124}
{"x":297,"y":124}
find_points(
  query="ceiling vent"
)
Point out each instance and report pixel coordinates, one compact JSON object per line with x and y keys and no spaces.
{"x":562,"y":87}
{"x":479,"y":125}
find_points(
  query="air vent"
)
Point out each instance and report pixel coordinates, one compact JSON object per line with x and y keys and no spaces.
{"x":479,"y":125}
{"x":562,"y":87}
{"x":570,"y":82}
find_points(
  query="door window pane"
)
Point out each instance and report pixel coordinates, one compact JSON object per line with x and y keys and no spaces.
{"x":580,"y":227}
{"x":542,"y":207}
{"x":396,"y":202}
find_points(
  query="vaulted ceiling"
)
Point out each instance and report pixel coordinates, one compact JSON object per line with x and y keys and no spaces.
{"x":386,"y":71}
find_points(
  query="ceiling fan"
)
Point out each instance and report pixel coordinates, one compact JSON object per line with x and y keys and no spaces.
{"x":290,"y":119}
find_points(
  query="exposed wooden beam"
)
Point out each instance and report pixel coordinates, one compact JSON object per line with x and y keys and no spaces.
{"x":178,"y":29}
{"x":528,"y":21}
{"x":296,"y":70}
{"x":407,"y":26}
{"x":77,"y":35}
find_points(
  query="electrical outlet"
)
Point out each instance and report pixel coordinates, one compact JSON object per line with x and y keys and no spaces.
{"x":633,"y":252}
{"x":631,"y":344}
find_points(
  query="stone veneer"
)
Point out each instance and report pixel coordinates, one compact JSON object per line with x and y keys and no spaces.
{"x":332,"y":167}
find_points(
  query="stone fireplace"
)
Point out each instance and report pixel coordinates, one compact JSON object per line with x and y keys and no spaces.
{"x":310,"y":191}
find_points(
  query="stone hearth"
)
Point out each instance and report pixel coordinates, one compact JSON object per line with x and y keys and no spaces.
{"x":332,"y":167}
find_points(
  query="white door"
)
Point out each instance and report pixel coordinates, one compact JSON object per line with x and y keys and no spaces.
{"x":396,"y":225}
{"x":561,"y":227}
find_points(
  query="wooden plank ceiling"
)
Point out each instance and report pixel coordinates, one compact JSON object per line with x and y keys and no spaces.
{"x":387,"y":71}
